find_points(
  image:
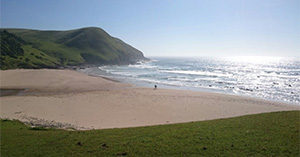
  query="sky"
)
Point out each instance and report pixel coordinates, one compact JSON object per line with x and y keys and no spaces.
{"x":172,"y":27}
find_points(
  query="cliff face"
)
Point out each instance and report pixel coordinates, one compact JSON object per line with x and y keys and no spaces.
{"x":51,"y":49}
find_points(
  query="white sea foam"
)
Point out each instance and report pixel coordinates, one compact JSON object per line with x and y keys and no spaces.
{"x":142,"y":66}
{"x":203,"y":73}
{"x":275,"y":79}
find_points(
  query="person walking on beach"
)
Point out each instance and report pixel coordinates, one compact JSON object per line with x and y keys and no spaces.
{"x":155,"y":86}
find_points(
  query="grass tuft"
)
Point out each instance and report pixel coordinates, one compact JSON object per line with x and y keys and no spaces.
{"x":38,"y":128}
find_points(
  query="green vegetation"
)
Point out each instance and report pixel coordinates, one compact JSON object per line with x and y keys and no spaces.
{"x":11,"y":44}
{"x":268,"y":134}
{"x":23,"y":48}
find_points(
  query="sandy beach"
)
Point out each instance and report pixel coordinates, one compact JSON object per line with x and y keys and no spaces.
{"x":70,"y":99}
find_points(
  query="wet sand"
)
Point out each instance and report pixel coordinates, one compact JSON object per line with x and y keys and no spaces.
{"x":70,"y":99}
{"x":9,"y":92}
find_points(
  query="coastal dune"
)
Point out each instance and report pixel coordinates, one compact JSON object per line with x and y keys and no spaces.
{"x":70,"y":99}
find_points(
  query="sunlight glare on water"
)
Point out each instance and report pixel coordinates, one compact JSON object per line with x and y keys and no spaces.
{"x":272,"y":78}
{"x":255,"y":59}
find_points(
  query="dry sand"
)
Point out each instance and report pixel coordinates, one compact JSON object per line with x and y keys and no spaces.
{"x":70,"y":99}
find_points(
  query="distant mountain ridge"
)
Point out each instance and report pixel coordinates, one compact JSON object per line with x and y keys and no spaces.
{"x":25,"y":48}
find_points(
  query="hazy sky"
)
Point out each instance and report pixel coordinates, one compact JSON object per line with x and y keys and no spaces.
{"x":172,"y":27}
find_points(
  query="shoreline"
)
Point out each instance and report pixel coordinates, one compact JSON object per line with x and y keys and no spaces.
{"x":88,"y":102}
{"x":180,"y":88}
{"x":146,"y":84}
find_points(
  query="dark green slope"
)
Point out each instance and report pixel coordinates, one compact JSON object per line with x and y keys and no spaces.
{"x":16,"y":53}
{"x":65,"y":48}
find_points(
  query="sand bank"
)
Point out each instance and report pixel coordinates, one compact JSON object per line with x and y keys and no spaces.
{"x":69,"y":99}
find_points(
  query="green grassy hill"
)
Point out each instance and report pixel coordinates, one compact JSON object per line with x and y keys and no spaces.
{"x":52,"y":49}
{"x":267,"y":134}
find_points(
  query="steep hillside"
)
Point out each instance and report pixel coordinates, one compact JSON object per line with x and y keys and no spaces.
{"x":16,"y":53}
{"x":53,"y":49}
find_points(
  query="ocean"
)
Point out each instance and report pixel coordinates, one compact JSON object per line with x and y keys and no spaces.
{"x":271,"y":78}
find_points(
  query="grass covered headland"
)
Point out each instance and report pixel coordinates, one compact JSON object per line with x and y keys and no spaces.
{"x":25,"y":48}
{"x":268,"y":134}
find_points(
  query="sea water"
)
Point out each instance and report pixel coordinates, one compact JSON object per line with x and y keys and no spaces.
{"x":272,"y":78}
